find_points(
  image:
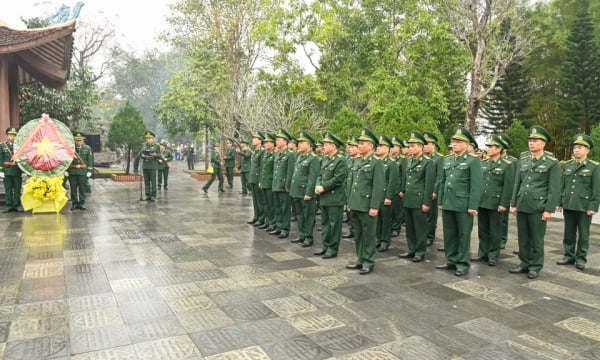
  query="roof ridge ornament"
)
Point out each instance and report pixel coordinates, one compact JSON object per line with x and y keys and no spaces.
{"x":65,"y":14}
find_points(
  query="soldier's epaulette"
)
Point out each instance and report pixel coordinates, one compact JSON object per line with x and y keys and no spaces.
{"x":427,"y":157}
{"x":474,"y":155}
{"x":550,"y":155}
{"x":507,"y":161}
{"x":594,"y":162}
{"x":524,"y":154}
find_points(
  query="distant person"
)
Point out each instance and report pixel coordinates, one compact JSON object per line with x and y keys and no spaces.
{"x":79,"y":171}
{"x":189,"y":154}
{"x":215,"y":161}
{"x":244,"y":167}
{"x":165,"y":161}
{"x":10,"y":173}
{"x":229,"y":158}
{"x":149,"y":155}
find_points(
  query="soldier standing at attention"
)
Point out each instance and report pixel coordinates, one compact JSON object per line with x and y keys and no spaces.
{"x":331,"y":190}
{"x":10,"y":173}
{"x":513,"y":160}
{"x":149,"y":154}
{"x":164,"y":164}
{"x":79,"y":171}
{"x":580,"y":198}
{"x":258,"y":218}
{"x":283,"y":169}
{"x":366,"y":195}
{"x":390,"y":188}
{"x":189,"y":156}
{"x":229,"y":162}
{"x":458,"y":197}
{"x":498,"y":181}
{"x":266,"y":182}
{"x":431,"y":151}
{"x":306,"y":171}
{"x":416,"y":190}
{"x":215,"y":161}
{"x":535,"y":197}
{"x":293,"y":150}
{"x":244,"y":167}
{"x":397,"y":215}
{"x":353,"y":156}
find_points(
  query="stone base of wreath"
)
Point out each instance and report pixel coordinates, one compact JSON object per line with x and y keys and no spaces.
{"x":126,"y":177}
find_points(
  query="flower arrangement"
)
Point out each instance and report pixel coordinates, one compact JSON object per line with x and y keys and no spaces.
{"x":44,"y":188}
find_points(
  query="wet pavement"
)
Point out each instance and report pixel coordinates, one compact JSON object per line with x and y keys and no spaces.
{"x":186,"y":278}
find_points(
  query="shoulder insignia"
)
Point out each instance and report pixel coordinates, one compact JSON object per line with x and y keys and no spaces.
{"x":507,"y":161}
{"x":594,"y":162}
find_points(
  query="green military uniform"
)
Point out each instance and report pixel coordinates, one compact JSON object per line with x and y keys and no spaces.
{"x":390,"y":189}
{"x":266,"y":184}
{"x":11,"y":173}
{"x":580,"y":198}
{"x":498,"y":181}
{"x":302,"y":191}
{"x":352,"y":141}
{"x":258,"y":200}
{"x":215,"y":162}
{"x":189,"y":154}
{"x":244,"y":167}
{"x":536,"y":190}
{"x":417,"y":189}
{"x":459,"y":191}
{"x":432,"y":215}
{"x":229,"y":158}
{"x":81,"y":167}
{"x":164,"y":161}
{"x":366,"y":194}
{"x":332,"y":177}
{"x":149,"y":154}
{"x":513,"y":160}
{"x":397,"y":211}
{"x":283,"y":170}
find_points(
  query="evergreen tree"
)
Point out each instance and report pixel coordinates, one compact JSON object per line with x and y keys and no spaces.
{"x":127,"y":129}
{"x":518,"y":136}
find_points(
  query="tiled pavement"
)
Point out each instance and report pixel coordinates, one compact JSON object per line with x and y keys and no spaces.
{"x":186,"y":278}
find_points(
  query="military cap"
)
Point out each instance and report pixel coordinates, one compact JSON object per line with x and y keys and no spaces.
{"x":11,"y":130}
{"x":149,"y":134}
{"x":216,"y":145}
{"x":352,"y":140}
{"x":284,"y":135}
{"x":385,"y":140}
{"x":331,"y":138}
{"x":583,"y":139}
{"x":417,"y":137}
{"x":497,"y":141}
{"x":319,"y":143}
{"x":269,"y":137}
{"x":228,"y":141}
{"x":430,"y":137}
{"x":293,"y":139}
{"x":506,"y":140}
{"x":461,"y":133}
{"x":78,"y":135}
{"x":404,"y":143}
{"x":244,"y":142}
{"x":538,"y":132}
{"x":367,"y":135}
{"x":304,"y":136}
{"x":396,"y":140}
{"x":474,"y":145}
{"x":259,"y":135}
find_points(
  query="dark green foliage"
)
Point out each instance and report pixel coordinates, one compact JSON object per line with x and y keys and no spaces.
{"x":518,"y":136}
{"x":127,"y":129}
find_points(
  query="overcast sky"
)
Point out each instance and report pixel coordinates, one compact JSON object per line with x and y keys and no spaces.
{"x":136,"y":23}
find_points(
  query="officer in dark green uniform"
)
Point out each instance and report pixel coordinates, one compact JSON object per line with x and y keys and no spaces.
{"x":580,"y":198}
{"x":513,"y":160}
{"x":498,"y":181}
{"x":535,"y":197}
{"x":149,"y":154}
{"x":215,"y":162}
{"x":80,"y":169}
{"x":10,"y":173}
{"x":397,"y":216}
{"x":266,"y":182}
{"x":229,"y":158}
{"x":245,"y":164}
{"x":189,"y":154}
{"x":353,"y":156}
{"x":416,"y":192}
{"x":366,"y":195}
{"x":390,"y":187}
{"x":164,"y":164}
{"x":258,"y":218}
{"x":431,"y":151}
{"x":293,"y":149}
{"x":283,"y":169}
{"x":302,"y":192}
{"x":331,"y":190}
{"x":458,"y":197}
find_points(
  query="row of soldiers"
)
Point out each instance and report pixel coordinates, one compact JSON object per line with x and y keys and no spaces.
{"x":377,"y":184}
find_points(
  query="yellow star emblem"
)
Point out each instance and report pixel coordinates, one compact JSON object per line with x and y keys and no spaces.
{"x":45,"y":147}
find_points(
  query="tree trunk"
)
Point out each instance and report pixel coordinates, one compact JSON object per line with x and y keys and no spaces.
{"x":471,"y":116}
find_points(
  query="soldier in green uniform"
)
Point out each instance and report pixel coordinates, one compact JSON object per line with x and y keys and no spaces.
{"x":189,"y":154}
{"x":366,"y":195}
{"x":397,"y":216}
{"x":149,"y":155}
{"x":229,"y":158}
{"x":302,"y":192}
{"x":390,"y":188}
{"x":266,"y":182}
{"x":245,"y":163}
{"x":513,"y":160}
{"x":353,"y":156}
{"x":580,"y":198}
{"x":283,"y":169}
{"x":458,"y":197}
{"x":535,"y":197}
{"x":431,"y":151}
{"x":331,"y":190}
{"x":215,"y":162}
{"x":164,"y":164}
{"x":258,"y":218}
{"x":293,"y":149}
{"x":416,"y":192}
{"x":498,"y":181}
{"x":10,"y":173}
{"x":80,"y":169}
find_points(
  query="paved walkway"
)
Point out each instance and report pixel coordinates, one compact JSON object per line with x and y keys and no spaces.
{"x":186,"y":278}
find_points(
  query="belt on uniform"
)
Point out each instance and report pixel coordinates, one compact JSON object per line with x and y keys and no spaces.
{"x":78,"y":166}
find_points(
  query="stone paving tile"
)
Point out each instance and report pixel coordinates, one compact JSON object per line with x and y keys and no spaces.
{"x":114,"y":283}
